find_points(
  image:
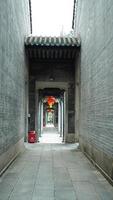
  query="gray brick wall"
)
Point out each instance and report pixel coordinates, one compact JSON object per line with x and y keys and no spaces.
{"x":95,"y":25}
{"x":14,"y":25}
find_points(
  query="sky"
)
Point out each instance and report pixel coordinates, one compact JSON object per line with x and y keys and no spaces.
{"x":52,"y":17}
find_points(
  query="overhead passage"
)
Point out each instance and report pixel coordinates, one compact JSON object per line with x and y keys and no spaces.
{"x":47,"y":48}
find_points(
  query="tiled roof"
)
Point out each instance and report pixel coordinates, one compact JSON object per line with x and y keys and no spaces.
{"x":52,"y":41}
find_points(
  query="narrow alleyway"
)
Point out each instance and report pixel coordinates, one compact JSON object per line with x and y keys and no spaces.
{"x":65,"y":79}
{"x":53,"y":172}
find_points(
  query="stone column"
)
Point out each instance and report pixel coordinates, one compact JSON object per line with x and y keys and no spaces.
{"x":62,"y":116}
{"x":59,"y":117}
{"x":41,"y":117}
{"x":65,"y":116}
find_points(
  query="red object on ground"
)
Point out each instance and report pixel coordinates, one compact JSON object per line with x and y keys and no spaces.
{"x":32,"y":136}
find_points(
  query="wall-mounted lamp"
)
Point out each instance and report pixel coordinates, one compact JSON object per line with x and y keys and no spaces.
{"x":51,"y":78}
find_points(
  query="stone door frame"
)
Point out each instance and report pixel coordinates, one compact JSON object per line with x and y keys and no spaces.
{"x":50,"y":84}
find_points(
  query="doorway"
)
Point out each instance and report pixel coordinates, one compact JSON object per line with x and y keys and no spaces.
{"x":51,"y":115}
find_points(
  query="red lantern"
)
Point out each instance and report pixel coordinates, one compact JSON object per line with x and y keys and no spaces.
{"x":50,"y":110}
{"x":51,"y":100}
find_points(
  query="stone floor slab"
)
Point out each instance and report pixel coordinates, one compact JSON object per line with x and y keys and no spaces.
{"x":53,"y":172}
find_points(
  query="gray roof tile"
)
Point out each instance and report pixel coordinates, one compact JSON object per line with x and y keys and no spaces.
{"x":52,"y":41}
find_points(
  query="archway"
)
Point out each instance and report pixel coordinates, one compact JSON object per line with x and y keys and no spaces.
{"x":52,"y":118}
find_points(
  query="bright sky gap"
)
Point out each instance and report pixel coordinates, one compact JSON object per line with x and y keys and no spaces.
{"x":52,"y":17}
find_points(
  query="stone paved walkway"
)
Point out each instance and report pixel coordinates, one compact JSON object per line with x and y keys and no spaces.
{"x":53,"y":172}
{"x":50,"y":135}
